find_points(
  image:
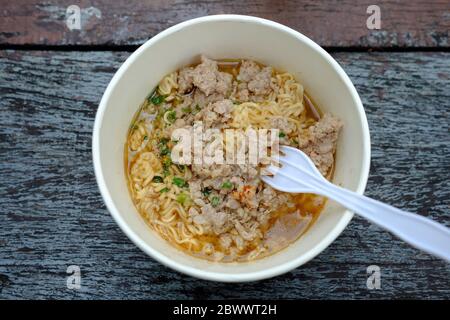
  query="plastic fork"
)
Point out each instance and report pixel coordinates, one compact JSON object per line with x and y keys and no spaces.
{"x":298,"y":174}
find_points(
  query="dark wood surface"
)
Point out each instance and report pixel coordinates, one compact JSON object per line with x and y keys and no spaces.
{"x":52,"y":215}
{"x":405,"y":23}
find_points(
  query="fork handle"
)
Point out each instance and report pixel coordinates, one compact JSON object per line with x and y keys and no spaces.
{"x":420,"y":232}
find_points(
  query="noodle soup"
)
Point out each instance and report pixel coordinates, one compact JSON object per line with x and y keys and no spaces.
{"x":224,"y":212}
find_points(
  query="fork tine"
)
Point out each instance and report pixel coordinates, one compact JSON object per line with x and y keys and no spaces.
{"x":284,"y":181}
{"x":297,"y":159}
{"x":271,"y":170}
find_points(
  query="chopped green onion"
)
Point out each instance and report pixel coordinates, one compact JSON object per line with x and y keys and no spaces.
{"x":166,"y":165}
{"x":164,"y":190}
{"x":182,"y":198}
{"x":282,"y":134}
{"x":186,"y":109}
{"x":157,"y":179}
{"x":227,"y":185}
{"x":164,"y":151}
{"x":215,"y":201}
{"x":197,"y":109}
{"x":162,"y":146}
{"x":171,"y":116}
{"x":145,"y":137}
{"x":155,"y":98}
{"x":163,"y":140}
{"x":206,"y":191}
{"x":179,"y":182}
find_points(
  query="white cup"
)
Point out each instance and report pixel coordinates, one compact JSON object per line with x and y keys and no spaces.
{"x":229,"y":36}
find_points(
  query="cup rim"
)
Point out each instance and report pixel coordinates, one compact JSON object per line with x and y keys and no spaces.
{"x":206,"y":274}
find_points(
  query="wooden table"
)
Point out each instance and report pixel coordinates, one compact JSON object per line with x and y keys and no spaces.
{"x":52,"y":79}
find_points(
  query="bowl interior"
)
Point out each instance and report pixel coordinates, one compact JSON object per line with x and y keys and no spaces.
{"x":229,"y":37}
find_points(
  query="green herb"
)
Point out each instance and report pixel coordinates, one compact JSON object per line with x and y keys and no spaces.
{"x":181,"y":167}
{"x":164,"y":190}
{"x":282,"y":134}
{"x":183,"y":198}
{"x":167,"y":162}
{"x":157,"y":179}
{"x":162,"y":146}
{"x":179,"y":182}
{"x":186,"y":109}
{"x":227,"y":185}
{"x":215,"y":201}
{"x":164,"y":151}
{"x":171,"y":116}
{"x":166,"y":165}
{"x":206,"y":191}
{"x":145,"y":137}
{"x":236,"y":102}
{"x":156,"y":99}
{"x":197,"y":109}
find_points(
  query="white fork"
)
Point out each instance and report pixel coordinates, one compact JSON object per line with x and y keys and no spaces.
{"x":298,"y":174}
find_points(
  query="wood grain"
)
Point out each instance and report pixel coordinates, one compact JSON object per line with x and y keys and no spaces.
{"x":414,"y":23}
{"x":53,"y":215}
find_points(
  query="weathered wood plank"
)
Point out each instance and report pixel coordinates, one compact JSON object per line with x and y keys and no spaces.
{"x":415,"y":23}
{"x":53,"y":215}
